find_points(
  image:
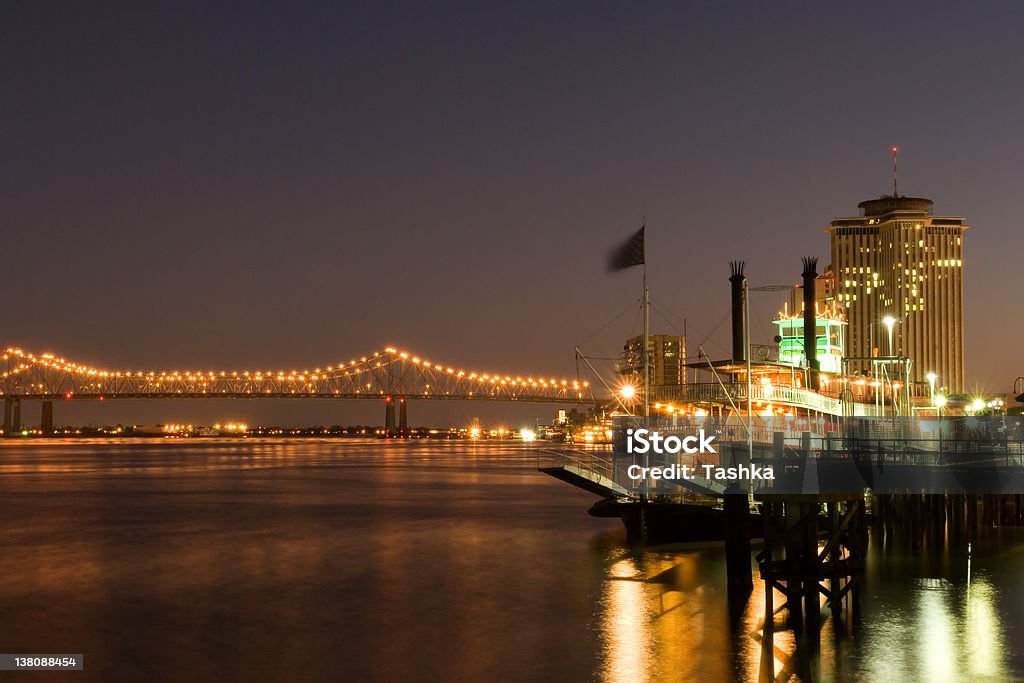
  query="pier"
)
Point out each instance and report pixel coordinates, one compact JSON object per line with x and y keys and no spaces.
{"x":917,"y":483}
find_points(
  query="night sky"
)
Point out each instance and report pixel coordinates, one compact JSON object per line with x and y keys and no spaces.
{"x":237,"y":185}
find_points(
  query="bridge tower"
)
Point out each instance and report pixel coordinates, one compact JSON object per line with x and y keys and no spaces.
{"x":389,"y":417}
{"x":403,"y":417}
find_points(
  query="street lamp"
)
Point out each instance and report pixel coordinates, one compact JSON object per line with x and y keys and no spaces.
{"x":931,"y":386}
{"x":889,"y":321}
{"x":940,"y":401}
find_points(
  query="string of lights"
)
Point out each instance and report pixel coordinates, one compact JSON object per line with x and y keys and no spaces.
{"x":388,"y":372}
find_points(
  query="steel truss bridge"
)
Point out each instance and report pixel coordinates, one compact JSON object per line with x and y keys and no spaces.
{"x":390,"y":375}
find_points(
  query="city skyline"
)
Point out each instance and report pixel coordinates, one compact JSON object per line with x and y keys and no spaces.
{"x":326,"y":182}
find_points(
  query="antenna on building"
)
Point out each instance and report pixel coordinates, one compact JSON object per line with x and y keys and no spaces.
{"x":895,"y":149}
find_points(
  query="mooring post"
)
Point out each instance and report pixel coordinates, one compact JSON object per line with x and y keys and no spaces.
{"x":737,"y":527}
{"x":794,"y":565}
{"x":737,"y":541}
{"x":916,"y":503}
{"x":890,"y":516}
{"x":770,"y":519}
{"x":957,"y":503}
{"x":938,"y":505}
{"x":811,"y":569}
{"x":835,"y":557}
{"x":988,"y":509}
{"x":858,"y":550}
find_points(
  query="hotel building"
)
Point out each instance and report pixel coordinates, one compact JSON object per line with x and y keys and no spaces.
{"x":898,"y":260}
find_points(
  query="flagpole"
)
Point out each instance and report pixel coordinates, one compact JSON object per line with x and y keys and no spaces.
{"x":647,"y":364}
{"x":647,"y":338}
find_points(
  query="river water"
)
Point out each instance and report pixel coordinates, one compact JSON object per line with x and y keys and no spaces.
{"x":427,"y":561}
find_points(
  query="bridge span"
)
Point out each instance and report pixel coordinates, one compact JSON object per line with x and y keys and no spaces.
{"x":391,"y":376}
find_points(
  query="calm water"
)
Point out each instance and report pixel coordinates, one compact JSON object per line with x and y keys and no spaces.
{"x":364,"y":561}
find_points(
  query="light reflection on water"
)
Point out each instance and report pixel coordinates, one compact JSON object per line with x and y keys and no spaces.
{"x":664,"y":618}
{"x":943,"y":631}
{"x":430,"y":561}
{"x":658,"y":626}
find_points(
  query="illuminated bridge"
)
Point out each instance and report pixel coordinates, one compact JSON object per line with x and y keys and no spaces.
{"x":391,"y":376}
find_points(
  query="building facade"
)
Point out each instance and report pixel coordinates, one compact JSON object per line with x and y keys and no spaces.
{"x":667,"y":359}
{"x":824,"y":293}
{"x":896,"y":260}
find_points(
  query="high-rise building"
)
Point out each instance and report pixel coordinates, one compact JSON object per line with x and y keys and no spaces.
{"x":824,"y":293}
{"x":667,"y":359}
{"x":899,"y":274}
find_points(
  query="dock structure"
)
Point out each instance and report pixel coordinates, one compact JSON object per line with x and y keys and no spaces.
{"x":795,"y":562}
{"x":918,"y":483}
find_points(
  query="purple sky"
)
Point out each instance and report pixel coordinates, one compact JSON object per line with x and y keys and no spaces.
{"x":296,"y":183}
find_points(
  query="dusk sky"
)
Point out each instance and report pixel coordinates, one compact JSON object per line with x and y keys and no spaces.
{"x":246,"y":185}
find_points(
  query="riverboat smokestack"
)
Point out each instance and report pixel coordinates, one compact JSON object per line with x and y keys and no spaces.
{"x":740,"y":346}
{"x":810,"y":275}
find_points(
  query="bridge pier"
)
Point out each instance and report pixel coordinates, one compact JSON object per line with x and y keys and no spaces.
{"x":403,"y":418}
{"x":12,"y":417}
{"x":46,"y":420}
{"x":389,"y":417}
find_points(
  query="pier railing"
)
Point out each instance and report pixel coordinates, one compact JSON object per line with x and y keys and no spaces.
{"x":884,"y":454}
{"x":736,"y":392}
{"x":595,"y":466}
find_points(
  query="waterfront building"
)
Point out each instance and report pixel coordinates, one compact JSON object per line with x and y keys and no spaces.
{"x":898,"y":274}
{"x":824,"y":293}
{"x":667,"y":359}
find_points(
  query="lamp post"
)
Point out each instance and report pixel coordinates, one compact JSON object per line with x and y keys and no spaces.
{"x":940,"y":401}
{"x":931,"y":386}
{"x":889,"y":322}
{"x":879,"y":404}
